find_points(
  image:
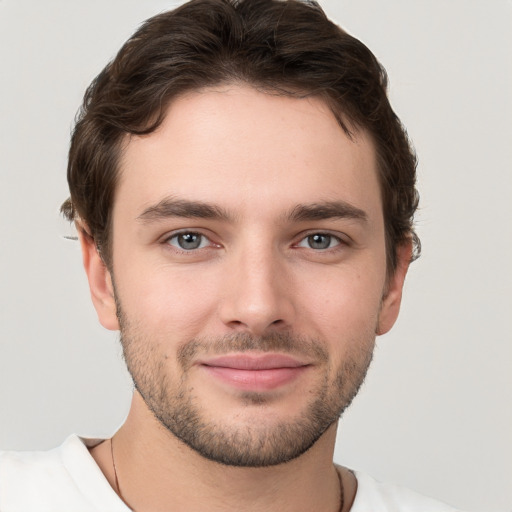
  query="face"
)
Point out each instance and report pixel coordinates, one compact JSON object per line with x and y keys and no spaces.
{"x":250,"y":272}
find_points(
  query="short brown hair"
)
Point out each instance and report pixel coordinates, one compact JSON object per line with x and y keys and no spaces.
{"x":286,"y":47}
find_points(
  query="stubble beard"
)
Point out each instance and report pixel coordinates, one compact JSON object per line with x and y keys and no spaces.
{"x":260,"y":443}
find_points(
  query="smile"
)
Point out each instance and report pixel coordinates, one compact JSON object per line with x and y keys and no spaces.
{"x":255,"y":372}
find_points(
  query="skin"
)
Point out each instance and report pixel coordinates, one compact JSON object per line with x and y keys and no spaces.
{"x":255,"y":274}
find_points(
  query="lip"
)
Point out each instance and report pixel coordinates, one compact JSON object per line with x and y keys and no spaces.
{"x":255,"y":372}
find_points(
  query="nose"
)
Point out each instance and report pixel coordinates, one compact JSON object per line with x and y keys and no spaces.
{"x":259,"y":293}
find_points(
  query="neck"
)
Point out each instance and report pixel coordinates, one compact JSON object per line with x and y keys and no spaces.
{"x":158,"y":472}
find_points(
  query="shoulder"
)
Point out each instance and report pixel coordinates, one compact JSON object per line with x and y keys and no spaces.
{"x":21,"y":473}
{"x":65,"y":478}
{"x":380,"y":497}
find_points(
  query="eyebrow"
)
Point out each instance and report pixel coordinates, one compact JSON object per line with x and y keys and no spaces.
{"x":172,"y":207}
{"x":326,"y":210}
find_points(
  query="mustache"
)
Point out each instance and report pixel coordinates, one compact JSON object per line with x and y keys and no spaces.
{"x":245,"y":342}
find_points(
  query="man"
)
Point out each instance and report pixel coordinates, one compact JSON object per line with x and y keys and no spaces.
{"x":244,"y":197}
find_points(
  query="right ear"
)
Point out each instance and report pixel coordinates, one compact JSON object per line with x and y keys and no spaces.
{"x":100,"y":280}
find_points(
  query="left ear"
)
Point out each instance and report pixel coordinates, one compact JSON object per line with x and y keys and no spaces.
{"x":392,"y":299}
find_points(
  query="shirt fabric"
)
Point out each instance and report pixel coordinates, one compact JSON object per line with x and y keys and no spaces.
{"x":67,"y":479}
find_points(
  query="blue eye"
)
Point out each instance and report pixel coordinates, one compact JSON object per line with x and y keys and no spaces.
{"x":319,"y":241}
{"x":188,"y":241}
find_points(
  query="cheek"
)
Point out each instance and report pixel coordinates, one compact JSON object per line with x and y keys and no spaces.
{"x":344,"y":308}
{"x":168,"y":300}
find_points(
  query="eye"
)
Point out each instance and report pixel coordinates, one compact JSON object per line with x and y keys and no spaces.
{"x":188,"y":241}
{"x":319,"y":241}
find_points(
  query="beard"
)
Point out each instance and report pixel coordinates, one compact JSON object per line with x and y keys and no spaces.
{"x":175,"y":402}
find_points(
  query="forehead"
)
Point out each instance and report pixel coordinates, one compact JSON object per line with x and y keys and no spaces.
{"x":239,"y":147}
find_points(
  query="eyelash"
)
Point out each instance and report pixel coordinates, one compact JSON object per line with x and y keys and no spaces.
{"x":202,"y":236}
{"x":305,"y":238}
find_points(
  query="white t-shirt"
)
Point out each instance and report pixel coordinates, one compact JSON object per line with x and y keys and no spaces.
{"x":67,"y":479}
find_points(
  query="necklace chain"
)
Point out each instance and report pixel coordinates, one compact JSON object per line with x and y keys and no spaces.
{"x":118,"y":489}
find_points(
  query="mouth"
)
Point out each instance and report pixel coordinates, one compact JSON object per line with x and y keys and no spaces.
{"x":255,"y":372}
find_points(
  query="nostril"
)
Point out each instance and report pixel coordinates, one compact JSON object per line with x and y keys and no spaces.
{"x":237,"y":324}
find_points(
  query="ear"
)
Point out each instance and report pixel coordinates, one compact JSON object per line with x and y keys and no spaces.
{"x":100,"y":281}
{"x":392,"y":299}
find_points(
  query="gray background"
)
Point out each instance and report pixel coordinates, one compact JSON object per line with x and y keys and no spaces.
{"x":435,"y":413}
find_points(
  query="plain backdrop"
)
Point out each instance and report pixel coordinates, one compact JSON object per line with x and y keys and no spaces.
{"x":435,"y":413}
